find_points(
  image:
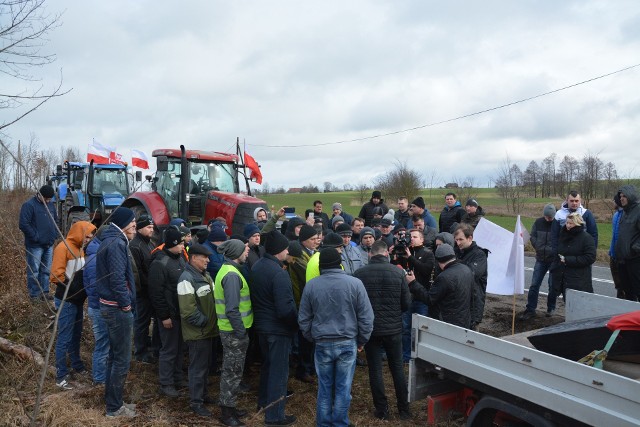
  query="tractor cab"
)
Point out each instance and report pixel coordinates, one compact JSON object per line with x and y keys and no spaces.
{"x":196,"y":186}
{"x":186,"y":183}
{"x":88,"y":191}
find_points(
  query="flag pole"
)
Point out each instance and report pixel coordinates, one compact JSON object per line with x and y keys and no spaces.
{"x":515,"y":279}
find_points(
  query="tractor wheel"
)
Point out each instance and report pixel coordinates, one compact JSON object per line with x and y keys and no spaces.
{"x":76,"y":216}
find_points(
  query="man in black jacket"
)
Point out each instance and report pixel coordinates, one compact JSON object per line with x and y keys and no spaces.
{"x":389,"y":297}
{"x":366,"y":212}
{"x":141,"y":247}
{"x":275,"y":319}
{"x":627,"y":247}
{"x":541,"y":242}
{"x":450,"y":292}
{"x":164,"y":274}
{"x":451,"y":213}
{"x":420,"y":260}
{"x":474,"y":257}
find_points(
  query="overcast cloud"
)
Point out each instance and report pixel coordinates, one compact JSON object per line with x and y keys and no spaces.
{"x":157,"y":74}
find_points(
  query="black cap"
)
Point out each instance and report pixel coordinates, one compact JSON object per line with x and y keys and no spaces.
{"x":344,"y":230}
{"x":198,"y":249}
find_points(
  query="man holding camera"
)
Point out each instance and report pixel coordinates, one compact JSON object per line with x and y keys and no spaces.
{"x":420,"y":261}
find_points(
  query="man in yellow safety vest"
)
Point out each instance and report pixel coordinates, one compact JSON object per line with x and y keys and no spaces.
{"x":235,"y":316}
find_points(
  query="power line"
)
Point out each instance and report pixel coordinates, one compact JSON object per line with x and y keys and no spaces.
{"x":452,"y":119}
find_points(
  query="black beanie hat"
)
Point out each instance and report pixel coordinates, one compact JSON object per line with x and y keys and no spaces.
{"x":172,"y":237}
{"x":332,"y":240}
{"x":329,"y":258}
{"x":419,"y":202}
{"x":275,"y":242}
{"x":122,"y":217}
{"x":376,"y":195}
{"x":143,"y":221}
{"x":295,"y":249}
{"x":306,"y":232}
{"x":47,"y":191}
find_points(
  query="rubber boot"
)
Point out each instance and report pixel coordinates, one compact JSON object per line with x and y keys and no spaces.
{"x":228,"y":417}
{"x":240,"y":413}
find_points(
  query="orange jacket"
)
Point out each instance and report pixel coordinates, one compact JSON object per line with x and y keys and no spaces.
{"x":67,"y":261}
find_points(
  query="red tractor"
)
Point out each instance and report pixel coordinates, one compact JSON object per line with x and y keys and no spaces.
{"x":196,"y":186}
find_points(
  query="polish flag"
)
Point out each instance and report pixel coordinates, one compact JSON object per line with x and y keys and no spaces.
{"x":139,"y":159}
{"x":253,"y":166}
{"x":116,"y":158}
{"x":98,"y":153}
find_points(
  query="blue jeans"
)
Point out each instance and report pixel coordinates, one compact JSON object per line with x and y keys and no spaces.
{"x":416,"y":307}
{"x":120,"y":327}
{"x":539,"y":270}
{"x":335,"y":366}
{"x":101,"y":348}
{"x":274,"y":374}
{"x":38,"y":268}
{"x":68,"y":340}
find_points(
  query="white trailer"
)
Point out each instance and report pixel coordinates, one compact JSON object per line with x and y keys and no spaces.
{"x":493,"y":381}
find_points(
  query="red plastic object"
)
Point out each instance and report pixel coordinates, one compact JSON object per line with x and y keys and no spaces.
{"x":625,"y":322}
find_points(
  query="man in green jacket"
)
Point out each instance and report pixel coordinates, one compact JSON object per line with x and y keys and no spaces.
{"x":199,"y":324}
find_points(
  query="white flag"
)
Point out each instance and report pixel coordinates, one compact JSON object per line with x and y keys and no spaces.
{"x":505,"y":264}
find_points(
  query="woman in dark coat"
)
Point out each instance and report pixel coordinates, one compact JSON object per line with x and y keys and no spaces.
{"x":576,"y":252}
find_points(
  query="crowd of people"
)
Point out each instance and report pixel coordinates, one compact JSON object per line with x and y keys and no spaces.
{"x":316,"y":290}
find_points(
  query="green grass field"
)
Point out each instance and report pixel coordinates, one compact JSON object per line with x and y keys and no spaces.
{"x":493,"y":205}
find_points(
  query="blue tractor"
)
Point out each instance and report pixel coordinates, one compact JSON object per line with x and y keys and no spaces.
{"x":88,"y":191}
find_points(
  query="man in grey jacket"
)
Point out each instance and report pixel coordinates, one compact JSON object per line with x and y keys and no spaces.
{"x":336,"y":314}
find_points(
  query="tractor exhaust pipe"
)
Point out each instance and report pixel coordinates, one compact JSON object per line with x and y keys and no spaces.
{"x":185,"y":179}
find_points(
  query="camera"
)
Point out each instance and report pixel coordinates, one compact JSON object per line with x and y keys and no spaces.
{"x":400,"y":244}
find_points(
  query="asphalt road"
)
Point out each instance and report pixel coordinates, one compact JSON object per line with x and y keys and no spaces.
{"x":602,"y":282}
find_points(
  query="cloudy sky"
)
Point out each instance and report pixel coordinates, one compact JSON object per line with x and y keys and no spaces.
{"x":157,"y":74}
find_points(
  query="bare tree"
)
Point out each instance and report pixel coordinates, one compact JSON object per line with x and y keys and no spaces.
{"x":532,"y":178}
{"x":568,"y":171}
{"x":611,"y":180}
{"x":433,"y":179}
{"x":468,"y":189}
{"x":24,"y":26}
{"x":363,"y":192}
{"x":549,"y":175}
{"x":509,"y":185}
{"x":327,"y":187}
{"x":400,"y":181}
{"x":347,"y":187}
{"x":590,"y":173}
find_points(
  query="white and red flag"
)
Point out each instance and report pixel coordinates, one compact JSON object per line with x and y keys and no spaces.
{"x":98,"y":153}
{"x":139,"y":159}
